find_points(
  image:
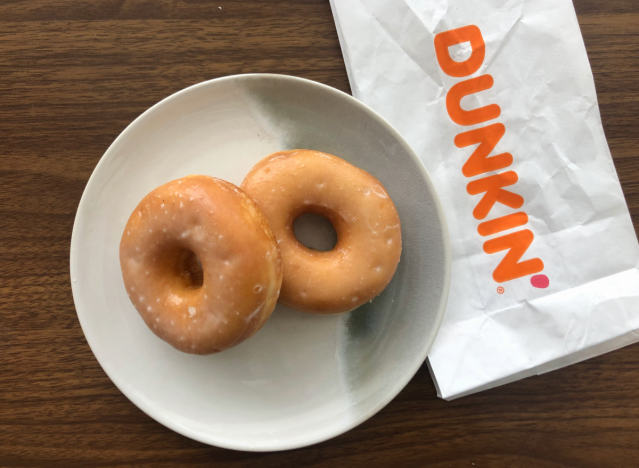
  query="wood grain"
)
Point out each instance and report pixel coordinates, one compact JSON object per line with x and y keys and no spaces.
{"x":74,"y":73}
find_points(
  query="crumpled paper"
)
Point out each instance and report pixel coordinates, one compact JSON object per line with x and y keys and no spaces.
{"x":545,"y":256}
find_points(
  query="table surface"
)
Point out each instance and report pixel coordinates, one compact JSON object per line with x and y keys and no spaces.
{"x":74,"y":74}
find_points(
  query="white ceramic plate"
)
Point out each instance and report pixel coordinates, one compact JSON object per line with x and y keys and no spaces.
{"x":301,"y":379}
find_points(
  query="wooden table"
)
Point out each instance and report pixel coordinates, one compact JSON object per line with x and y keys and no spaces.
{"x":74,"y":74}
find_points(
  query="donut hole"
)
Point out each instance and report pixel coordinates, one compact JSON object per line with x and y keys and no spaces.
{"x":190,"y":269}
{"x":315,"y":232}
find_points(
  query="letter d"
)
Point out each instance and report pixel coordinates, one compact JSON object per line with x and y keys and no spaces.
{"x":469,"y":66}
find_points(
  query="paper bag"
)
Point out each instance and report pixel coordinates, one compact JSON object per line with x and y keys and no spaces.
{"x":498,"y":100}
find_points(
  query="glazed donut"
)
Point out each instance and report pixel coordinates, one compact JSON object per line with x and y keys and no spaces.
{"x":288,"y":184}
{"x":200,"y":220}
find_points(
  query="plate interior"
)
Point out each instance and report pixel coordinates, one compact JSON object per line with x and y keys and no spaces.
{"x":302,"y":378}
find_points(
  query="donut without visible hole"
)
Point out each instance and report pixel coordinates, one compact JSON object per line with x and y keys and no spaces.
{"x":288,"y":184}
{"x":207,"y":310}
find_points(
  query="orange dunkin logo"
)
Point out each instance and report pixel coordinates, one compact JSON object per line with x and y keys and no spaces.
{"x":480,"y":163}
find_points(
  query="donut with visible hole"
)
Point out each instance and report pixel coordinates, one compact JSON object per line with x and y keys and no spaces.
{"x":288,"y":184}
{"x":200,"y":264}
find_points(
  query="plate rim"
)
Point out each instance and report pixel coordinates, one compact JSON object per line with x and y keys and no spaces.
{"x":400,"y":384}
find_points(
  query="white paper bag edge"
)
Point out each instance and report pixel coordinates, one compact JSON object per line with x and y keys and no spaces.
{"x":627,"y":339}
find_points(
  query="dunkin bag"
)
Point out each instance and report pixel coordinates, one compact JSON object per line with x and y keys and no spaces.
{"x":498,"y":100}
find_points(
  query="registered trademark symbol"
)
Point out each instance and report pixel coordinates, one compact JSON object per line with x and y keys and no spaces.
{"x":501,"y":290}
